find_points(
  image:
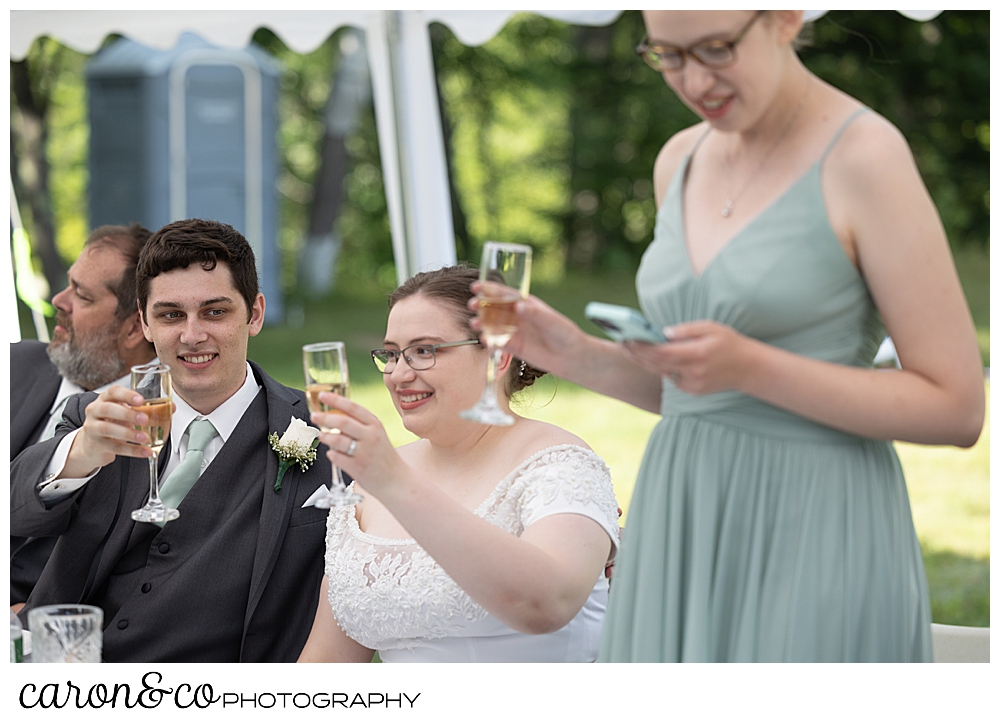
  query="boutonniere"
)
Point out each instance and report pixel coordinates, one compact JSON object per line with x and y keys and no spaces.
{"x":296,"y":446}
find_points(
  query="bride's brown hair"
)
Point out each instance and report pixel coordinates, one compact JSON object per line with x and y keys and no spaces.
{"x":451,"y":284}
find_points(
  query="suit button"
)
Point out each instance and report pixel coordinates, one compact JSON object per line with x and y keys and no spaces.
{"x":164,"y":548}
{"x":146,"y":587}
{"x":122,"y":624}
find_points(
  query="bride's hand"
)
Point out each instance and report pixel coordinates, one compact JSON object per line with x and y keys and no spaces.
{"x":373,"y":460}
{"x":700,"y":357}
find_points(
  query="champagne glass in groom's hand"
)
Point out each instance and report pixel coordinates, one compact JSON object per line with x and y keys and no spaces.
{"x":152,"y":381}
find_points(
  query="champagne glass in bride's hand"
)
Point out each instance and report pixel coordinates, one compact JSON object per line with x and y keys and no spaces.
{"x":152,"y":381}
{"x":505,"y":273}
{"x":325,"y":366}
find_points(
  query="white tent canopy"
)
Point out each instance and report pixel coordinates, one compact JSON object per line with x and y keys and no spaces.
{"x":302,"y":30}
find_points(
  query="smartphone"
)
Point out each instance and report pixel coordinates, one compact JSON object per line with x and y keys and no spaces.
{"x":622,"y":323}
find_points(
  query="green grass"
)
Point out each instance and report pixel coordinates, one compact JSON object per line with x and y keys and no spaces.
{"x":973,"y":264}
{"x":950,"y":497}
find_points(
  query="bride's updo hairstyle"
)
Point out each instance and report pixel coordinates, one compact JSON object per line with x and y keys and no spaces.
{"x":451,"y":285}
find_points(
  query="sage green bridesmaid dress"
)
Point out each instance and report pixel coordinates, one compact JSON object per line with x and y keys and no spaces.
{"x":754,"y":534}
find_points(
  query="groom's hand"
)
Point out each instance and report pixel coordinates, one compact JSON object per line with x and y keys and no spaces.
{"x":108,"y":430}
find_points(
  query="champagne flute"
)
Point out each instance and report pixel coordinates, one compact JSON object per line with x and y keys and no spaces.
{"x":152,"y":381}
{"x":325,"y":366}
{"x":506,"y":273}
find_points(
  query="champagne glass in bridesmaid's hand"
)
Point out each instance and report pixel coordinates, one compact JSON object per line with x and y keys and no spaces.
{"x":152,"y":381}
{"x":325,"y":366}
{"x":505,"y":273}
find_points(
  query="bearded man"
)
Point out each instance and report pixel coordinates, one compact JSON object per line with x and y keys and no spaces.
{"x":97,"y":338}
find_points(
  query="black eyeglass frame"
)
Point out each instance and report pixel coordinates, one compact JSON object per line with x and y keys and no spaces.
{"x":652,"y":52}
{"x":397,"y":353}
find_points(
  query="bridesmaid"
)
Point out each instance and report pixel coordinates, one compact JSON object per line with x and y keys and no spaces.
{"x":770,"y":520}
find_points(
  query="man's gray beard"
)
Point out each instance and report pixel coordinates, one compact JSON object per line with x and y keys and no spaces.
{"x":92,"y":363}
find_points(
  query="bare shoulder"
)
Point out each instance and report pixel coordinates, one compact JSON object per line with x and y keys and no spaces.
{"x":534,"y":436}
{"x":411,"y":451}
{"x":871,"y":150}
{"x":672,"y":155}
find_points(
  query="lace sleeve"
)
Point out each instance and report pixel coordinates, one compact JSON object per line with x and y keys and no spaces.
{"x":569,"y":479}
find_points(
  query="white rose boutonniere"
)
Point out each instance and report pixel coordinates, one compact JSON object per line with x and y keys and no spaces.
{"x":297,"y":446}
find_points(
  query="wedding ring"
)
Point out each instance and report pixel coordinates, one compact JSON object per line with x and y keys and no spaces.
{"x":351,"y":447}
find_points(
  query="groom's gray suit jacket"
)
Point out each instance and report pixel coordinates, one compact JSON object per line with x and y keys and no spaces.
{"x":235,"y":578}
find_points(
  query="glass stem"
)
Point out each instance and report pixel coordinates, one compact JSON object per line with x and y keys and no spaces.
{"x":338,"y":478}
{"x":154,"y":486}
{"x":490,"y":392}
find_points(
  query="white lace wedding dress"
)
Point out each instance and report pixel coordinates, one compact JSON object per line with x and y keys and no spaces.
{"x":390,"y":596}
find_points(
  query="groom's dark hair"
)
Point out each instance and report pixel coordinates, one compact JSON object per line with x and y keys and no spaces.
{"x":196,"y":241}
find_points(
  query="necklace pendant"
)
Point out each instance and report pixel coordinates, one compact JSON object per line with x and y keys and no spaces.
{"x":728,"y":209}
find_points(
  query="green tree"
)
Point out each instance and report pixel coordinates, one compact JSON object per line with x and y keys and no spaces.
{"x":506,"y":106}
{"x":48,"y":153}
{"x":555,"y":128}
{"x":551,"y":129}
{"x":932,"y":81}
{"x":360,"y":212}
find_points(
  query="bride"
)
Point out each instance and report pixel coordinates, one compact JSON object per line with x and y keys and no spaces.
{"x":473,"y":543}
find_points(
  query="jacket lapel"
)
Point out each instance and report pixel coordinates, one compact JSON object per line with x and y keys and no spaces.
{"x":276,"y":508}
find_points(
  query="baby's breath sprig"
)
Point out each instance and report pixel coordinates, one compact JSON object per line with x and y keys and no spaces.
{"x":297,"y":446}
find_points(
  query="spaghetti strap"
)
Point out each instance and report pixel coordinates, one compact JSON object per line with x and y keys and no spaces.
{"x":687,"y":159}
{"x":840,"y":131}
{"x":698,"y":142}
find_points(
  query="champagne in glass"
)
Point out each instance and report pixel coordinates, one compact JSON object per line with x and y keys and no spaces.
{"x":325,"y":367}
{"x":315,"y":405}
{"x":152,"y":381}
{"x":160,"y":412}
{"x":506,"y":274}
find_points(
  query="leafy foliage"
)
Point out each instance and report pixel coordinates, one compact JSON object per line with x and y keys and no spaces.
{"x":932,"y":81}
{"x":363,"y":222}
{"x":568,"y":169}
{"x":49,"y":136}
{"x":553,"y":130}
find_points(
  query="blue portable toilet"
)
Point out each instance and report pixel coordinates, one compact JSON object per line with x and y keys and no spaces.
{"x":188,"y":132}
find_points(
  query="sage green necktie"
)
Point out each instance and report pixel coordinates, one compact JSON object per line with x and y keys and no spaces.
{"x":181,"y":480}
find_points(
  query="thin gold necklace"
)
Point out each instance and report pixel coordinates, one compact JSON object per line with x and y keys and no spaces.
{"x":727,"y":210}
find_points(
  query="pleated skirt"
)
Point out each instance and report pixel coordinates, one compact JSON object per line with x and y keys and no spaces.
{"x":744,"y":546}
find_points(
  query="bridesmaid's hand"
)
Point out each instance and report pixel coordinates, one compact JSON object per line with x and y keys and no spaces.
{"x":701,"y":357}
{"x":373,"y":461}
{"x":545,"y":338}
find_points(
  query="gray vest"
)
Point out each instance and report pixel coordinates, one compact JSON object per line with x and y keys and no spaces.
{"x":152,"y":611}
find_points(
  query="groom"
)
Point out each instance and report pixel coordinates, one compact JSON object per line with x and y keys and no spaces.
{"x":236,"y":577}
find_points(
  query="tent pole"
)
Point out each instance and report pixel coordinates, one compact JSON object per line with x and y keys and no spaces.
{"x":379,"y":62}
{"x":411,"y":142}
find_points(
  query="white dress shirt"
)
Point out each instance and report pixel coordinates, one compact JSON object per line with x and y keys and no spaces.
{"x":224,"y":418}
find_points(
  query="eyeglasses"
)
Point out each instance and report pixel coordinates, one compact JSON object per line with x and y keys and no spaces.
{"x":419,"y":356}
{"x":713,"y":54}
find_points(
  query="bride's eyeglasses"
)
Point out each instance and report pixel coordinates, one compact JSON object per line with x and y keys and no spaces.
{"x":420,"y":357}
{"x":715,"y":54}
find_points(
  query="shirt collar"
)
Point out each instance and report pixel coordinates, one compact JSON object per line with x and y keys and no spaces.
{"x":224,"y":418}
